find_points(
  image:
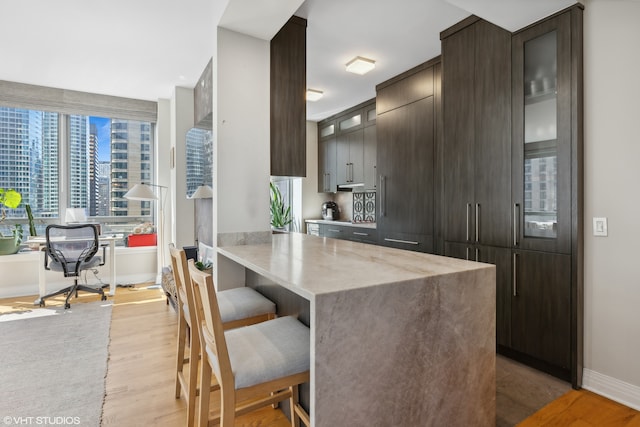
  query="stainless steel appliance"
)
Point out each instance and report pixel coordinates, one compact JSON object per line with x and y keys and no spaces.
{"x":330,"y":211}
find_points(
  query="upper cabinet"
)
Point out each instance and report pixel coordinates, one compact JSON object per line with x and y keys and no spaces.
{"x":547,"y":100}
{"x":347,"y":149}
{"x":288,"y":104}
{"x":476,"y":57}
{"x":406,"y":133}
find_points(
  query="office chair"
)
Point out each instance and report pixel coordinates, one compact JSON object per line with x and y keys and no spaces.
{"x":72,"y":249}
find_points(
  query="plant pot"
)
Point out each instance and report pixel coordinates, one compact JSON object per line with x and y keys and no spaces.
{"x":8,"y":246}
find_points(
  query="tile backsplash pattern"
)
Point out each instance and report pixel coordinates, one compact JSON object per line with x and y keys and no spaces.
{"x":364,"y":207}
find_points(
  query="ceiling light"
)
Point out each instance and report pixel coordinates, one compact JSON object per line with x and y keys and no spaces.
{"x":360,"y":65}
{"x":313,"y":95}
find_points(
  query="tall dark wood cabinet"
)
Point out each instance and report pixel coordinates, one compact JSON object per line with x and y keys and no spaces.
{"x":476,"y":58}
{"x":512,"y":178}
{"x":288,"y":103}
{"x":547,"y":195}
{"x":406,"y":107}
{"x":476,"y":101}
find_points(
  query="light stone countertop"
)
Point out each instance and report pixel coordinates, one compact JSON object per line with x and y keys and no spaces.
{"x":310,"y":266}
{"x":398,"y":338}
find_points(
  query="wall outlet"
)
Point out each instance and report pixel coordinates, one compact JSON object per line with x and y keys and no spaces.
{"x":599,"y":226}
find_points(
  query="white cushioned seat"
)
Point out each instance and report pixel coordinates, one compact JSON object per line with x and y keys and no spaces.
{"x":243,"y":303}
{"x":267,"y":351}
{"x":237,"y":304}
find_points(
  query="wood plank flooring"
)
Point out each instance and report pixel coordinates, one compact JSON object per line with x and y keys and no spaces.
{"x":140,"y":374}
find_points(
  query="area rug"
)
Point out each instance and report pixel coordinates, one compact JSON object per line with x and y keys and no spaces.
{"x":53,"y":364}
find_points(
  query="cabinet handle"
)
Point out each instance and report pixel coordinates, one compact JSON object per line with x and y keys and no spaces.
{"x":333,"y":230}
{"x":516,"y":214}
{"x":351,"y":172}
{"x":477,"y":254}
{"x":357,"y":233}
{"x":468,"y":208}
{"x":477,"y":222}
{"x":383,"y":196}
{"x":515,"y":274}
{"x":375,"y":172}
{"x":407,"y":242}
{"x":467,"y":257}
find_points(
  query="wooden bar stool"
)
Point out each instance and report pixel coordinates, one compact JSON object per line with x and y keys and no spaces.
{"x":255,"y":366}
{"x":241,"y":306}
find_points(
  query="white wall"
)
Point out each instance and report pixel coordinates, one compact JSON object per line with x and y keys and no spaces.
{"x":242,"y":145}
{"x":182,"y":209}
{"x":612,"y":174}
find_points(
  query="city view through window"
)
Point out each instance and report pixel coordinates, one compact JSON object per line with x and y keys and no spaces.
{"x":61,"y":161}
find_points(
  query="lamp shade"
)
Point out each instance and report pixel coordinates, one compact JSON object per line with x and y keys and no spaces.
{"x":203,"y":192}
{"x":141,"y":192}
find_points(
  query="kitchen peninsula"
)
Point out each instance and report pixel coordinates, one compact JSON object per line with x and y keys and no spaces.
{"x":397,"y":337}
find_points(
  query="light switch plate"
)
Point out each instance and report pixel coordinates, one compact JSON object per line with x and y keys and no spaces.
{"x":599,"y":226}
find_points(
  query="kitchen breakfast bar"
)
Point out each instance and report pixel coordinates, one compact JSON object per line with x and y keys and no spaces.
{"x":398,"y":338}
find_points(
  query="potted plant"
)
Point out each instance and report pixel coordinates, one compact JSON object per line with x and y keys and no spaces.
{"x":280,"y":215}
{"x":10,"y":244}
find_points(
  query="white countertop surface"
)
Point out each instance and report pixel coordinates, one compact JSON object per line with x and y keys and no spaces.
{"x":311,"y":266}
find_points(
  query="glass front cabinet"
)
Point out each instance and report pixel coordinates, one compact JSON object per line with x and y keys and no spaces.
{"x":543,"y":136}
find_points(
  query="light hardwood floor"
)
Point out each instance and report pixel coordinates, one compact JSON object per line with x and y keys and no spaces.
{"x":140,"y":376}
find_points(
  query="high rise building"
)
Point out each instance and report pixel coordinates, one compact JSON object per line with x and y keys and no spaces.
{"x":131,"y":163}
{"x":94,"y":185}
{"x":28,"y":158}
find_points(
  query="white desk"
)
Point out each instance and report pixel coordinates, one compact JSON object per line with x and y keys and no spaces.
{"x":104,"y":241}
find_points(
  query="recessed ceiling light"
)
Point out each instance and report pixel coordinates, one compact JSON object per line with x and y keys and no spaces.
{"x":360,"y":65}
{"x":313,"y":95}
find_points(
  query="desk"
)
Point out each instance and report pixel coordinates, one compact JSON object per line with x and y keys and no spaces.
{"x":397,"y":337}
{"x":103,"y":240}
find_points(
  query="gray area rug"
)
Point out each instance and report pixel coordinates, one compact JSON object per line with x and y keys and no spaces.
{"x":53,"y":364}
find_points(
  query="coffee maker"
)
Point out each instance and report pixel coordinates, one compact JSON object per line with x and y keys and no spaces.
{"x":330,"y":211}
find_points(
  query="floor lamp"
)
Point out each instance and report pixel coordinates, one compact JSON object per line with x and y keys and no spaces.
{"x":144,"y":192}
{"x":202,"y":192}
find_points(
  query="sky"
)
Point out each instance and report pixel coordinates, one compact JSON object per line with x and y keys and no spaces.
{"x":104,"y":137}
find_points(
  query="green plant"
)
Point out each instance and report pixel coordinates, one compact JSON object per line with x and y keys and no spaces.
{"x":11,"y":199}
{"x":8,"y":199}
{"x":32,"y":225}
{"x":280,"y":215}
{"x":203,"y":266}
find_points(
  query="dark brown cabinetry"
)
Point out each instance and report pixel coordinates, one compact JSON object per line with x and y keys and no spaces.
{"x":406,"y":136}
{"x":477,"y":134}
{"x":348,"y":232}
{"x":288,"y":104}
{"x":347,"y":149}
{"x":512,"y":178}
{"x":327,"y":177}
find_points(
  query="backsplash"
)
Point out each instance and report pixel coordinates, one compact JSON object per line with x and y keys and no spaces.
{"x":364,"y":207}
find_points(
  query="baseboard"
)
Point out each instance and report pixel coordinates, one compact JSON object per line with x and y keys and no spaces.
{"x":612,"y":388}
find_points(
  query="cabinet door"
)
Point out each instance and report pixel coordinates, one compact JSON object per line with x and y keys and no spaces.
{"x":459,"y":166}
{"x":405,"y":169}
{"x":541,"y":306}
{"x":370,"y":152}
{"x":327,"y":174}
{"x":543,"y":117}
{"x":334,"y":231}
{"x":501,"y":258}
{"x":492,"y":133}
{"x":356,"y":156}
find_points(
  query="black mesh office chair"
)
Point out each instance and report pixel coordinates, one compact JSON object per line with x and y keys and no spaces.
{"x":71,"y":249}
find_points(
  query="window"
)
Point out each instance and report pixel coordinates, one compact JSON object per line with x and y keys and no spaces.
{"x":199,"y":155}
{"x":40,"y":152}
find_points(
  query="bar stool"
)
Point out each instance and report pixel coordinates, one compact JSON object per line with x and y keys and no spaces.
{"x":255,"y":366}
{"x":239,"y":307}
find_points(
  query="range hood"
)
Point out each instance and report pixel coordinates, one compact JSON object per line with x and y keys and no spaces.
{"x":351,"y":187}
